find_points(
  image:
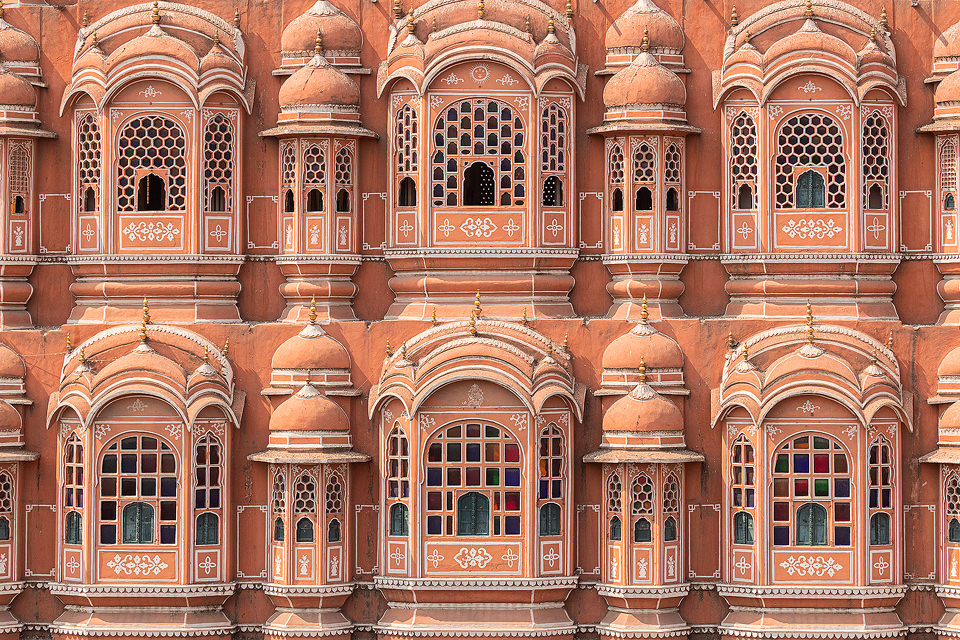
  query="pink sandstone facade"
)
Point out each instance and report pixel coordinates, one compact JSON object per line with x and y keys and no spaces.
{"x":553,"y":319}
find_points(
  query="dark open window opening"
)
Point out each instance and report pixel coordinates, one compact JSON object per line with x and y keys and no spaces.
{"x":343,"y":201}
{"x":288,"y":201}
{"x":208,"y":528}
{"x":745,"y":197}
{"x":138,"y":523}
{"x":333,"y":531}
{"x":304,"y":530}
{"x":278,"y":531}
{"x":949,"y":203}
{"x":550,"y":519}
{"x":642,"y":531}
{"x":151,"y":193}
{"x":89,"y":199}
{"x":669,"y":530}
{"x":553,"y":192}
{"x":4,"y":528}
{"x":617,"y":204}
{"x":399,"y":520}
{"x":880,"y":528}
{"x":644,"y":199}
{"x":218,"y":199}
{"x":478,"y":185}
{"x":616,"y":529}
{"x":811,"y":524}
{"x":314,"y":200}
{"x":473,"y":514}
{"x":408,"y":193}
{"x":74,"y":528}
{"x":19,"y":205}
{"x":875,"y":197}
{"x":953,"y":534}
{"x":742,"y":528}
{"x":673,"y":200}
{"x":811,"y":190}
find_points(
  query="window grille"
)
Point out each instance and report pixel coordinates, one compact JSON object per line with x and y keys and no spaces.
{"x":743,"y":490}
{"x":810,"y":140}
{"x":743,"y":163}
{"x":642,"y":508}
{"x":88,"y":161}
{"x":74,"y":469}
{"x":153,"y":143}
{"x":218,"y":163}
{"x":207,"y":493}
{"x":876,"y":153}
{"x":948,"y":175}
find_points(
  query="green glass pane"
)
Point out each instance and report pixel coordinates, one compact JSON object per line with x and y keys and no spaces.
{"x":783,"y":463}
{"x":821,"y":487}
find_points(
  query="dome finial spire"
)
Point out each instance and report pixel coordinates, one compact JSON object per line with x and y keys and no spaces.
{"x":85,"y":22}
{"x":477,"y":309}
{"x":808,"y":9}
{"x":96,"y":41}
{"x":810,"y":330}
{"x":734,"y":17}
{"x":313,"y":310}
{"x":526,"y":24}
{"x":145,"y":317}
{"x":480,"y":10}
{"x":410,"y":23}
{"x":236,"y":18}
{"x":551,"y":27}
{"x":216,"y":38}
{"x":645,"y":43}
{"x":643,"y":371}
{"x":883,"y":20}
{"x":318,"y":46}
{"x":155,"y":13}
{"x":644,"y":311}
{"x":569,"y":10}
{"x":397,"y":11}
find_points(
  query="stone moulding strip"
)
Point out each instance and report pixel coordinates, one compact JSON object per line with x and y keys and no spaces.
{"x":446,"y":583}
{"x":57,"y":588}
{"x":814,"y":592}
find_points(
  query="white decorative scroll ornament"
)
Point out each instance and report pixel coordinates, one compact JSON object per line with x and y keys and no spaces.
{"x":818,"y":228}
{"x":808,"y":407}
{"x":435,"y":558}
{"x":137,"y":564}
{"x":810,"y":87}
{"x":742,"y":565}
{"x":813,"y":566}
{"x":881,"y":565}
{"x":478,"y":227}
{"x":304,"y":565}
{"x":144,"y":231}
{"x":551,"y":557}
{"x":474,"y":557}
{"x":397,"y":556}
{"x":474,"y":396}
{"x":642,"y":568}
{"x":510,"y":557}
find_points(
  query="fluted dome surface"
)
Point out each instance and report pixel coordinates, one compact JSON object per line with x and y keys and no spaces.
{"x":644,"y":81}
{"x":309,"y":410}
{"x":318,"y":83}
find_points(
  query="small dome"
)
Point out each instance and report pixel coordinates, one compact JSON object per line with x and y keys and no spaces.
{"x":11,"y":366}
{"x":643,"y":409}
{"x":644,"y":81}
{"x":92,"y":58}
{"x":339,"y":32}
{"x":627,"y":30}
{"x":15,"y":91}
{"x":645,"y":343}
{"x":17,"y":46}
{"x":215,"y":59}
{"x":948,"y":90}
{"x":312,"y":348}
{"x":950,"y":365}
{"x":155,"y":43}
{"x":951,"y":417}
{"x":9,"y":417}
{"x":319,"y":83}
{"x":143,"y":359}
{"x":309,"y":410}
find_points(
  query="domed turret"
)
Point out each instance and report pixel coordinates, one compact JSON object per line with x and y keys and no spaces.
{"x":341,"y":35}
{"x":309,"y":410}
{"x":319,"y":84}
{"x":15,"y":91}
{"x":625,"y":33}
{"x":642,"y":410}
{"x":644,"y":82}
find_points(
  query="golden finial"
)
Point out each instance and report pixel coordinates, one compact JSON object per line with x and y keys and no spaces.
{"x":433,"y":26}
{"x":569,"y":11}
{"x":155,"y":13}
{"x":216,"y":38}
{"x":809,"y":323}
{"x":389,"y":349}
{"x":236,"y":18}
{"x":96,"y":42}
{"x":83,"y":356}
{"x":890,"y":340}
{"x":313,"y":310}
{"x":226,"y":347}
{"x":523,"y":318}
{"x":433,"y":317}
{"x":397,"y":11}
{"x":146,"y":312}
{"x":480,"y":10}
{"x":808,"y":10}
{"x":873,"y":34}
{"x":746,"y":36}
{"x":746,"y":353}
{"x":731,"y":343}
{"x":873,"y":358}
{"x":69,"y":345}
{"x":143,"y":331}
{"x":1,"y":9}
{"x":318,"y":45}
{"x":526,"y":24}
{"x":410,"y":23}
{"x":307,"y":383}
{"x":85,"y":22}
{"x":551,"y":27}
{"x":403,"y":350}
{"x":566,"y":343}
{"x":644,"y":311}
{"x":734,"y":18}
{"x":643,"y":371}
{"x":645,"y":43}
{"x":883,"y":20}
{"x":206,"y":354}
{"x":473,"y":325}
{"x":476,"y":305}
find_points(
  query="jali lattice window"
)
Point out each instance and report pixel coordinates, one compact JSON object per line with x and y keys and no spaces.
{"x":616,"y":175}
{"x":333,"y":507}
{"x":644,"y":176}
{"x":948,"y":176}
{"x":6,"y":504}
{"x":880,"y":505}
{"x":288,"y":176}
{"x":73,"y":472}
{"x":406,"y":141}
{"x":478,"y":157}
{"x":314,"y":178}
{"x":343,"y":179}
{"x":615,"y":507}
{"x":88,"y":162}
{"x":218,"y":163}
{"x":305,"y":507}
{"x":138,"y":478}
{"x":743,"y":490}
{"x":951,"y":498}
{"x":671,"y":508}
{"x":811,"y":493}
{"x":550,"y":490}
{"x":471,"y":466}
{"x":151,"y":165}
{"x":672,"y":175}
{"x":743,"y":163}
{"x":207,"y":493}
{"x":279,"y":504}
{"x":398,"y":480}
{"x":810,"y":142}
{"x":642,"y":508}
{"x":553,"y":153}
{"x":876,"y":164}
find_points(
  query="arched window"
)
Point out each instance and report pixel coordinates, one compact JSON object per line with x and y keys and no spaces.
{"x":811,"y":190}
{"x":477,"y":155}
{"x":875,"y":161}
{"x":744,"y":492}
{"x":218,"y":163}
{"x":553,"y":192}
{"x":333,"y":531}
{"x":333,"y":496}
{"x":314,"y":177}
{"x":152,"y":143}
{"x":553,"y":139}
{"x":880,"y":528}
{"x":811,"y":525}
{"x":407,"y":197}
{"x":19,"y":167}
{"x":644,"y":199}
{"x":615,"y":506}
{"x":616,"y":173}
{"x":742,"y":160}
{"x":550,"y":519}
{"x":88,"y":160}
{"x":551,"y":463}
{"x":484,"y":459}
{"x":951,"y":497}
{"x":288,"y":201}
{"x":304,"y":530}
{"x":279,"y":505}
{"x":642,"y":507}
{"x":670,"y":530}
{"x":673,"y":200}
{"x":278,"y":530}
{"x":742,"y":528}
{"x":473,"y":514}
{"x":305,"y":506}
{"x":314,"y":201}
{"x":880,"y":503}
{"x":151,"y":193}
{"x":19,"y":205}
{"x":138,"y":470}
{"x":644,"y":176}
{"x":4,"y":528}
{"x":208,"y":529}
{"x":948,"y":175}
{"x":812,"y":476}
{"x":74,"y":533}
{"x":398,"y":465}
{"x":343,"y":201}
{"x":953,"y":532}
{"x":343,"y":179}
{"x":288,"y":175}
{"x":617,"y":200}
{"x":949,"y":203}
{"x":805,"y":140}
{"x":6,"y":504}
{"x":138,"y":523}
{"x":399,"y":520}
{"x":671,"y":507}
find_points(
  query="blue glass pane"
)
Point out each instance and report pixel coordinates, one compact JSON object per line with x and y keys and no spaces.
{"x":511,"y":477}
{"x":801,"y":463}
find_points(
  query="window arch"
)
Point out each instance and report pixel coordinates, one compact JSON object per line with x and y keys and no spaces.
{"x":478,"y":155}
{"x":18,"y":179}
{"x":208,"y":471}
{"x":151,"y":193}
{"x":288,"y":175}
{"x":875,"y":161}
{"x":398,"y":465}
{"x":482,"y":459}
{"x":138,"y":470}
{"x":88,"y":160}
{"x":671,"y":507}
{"x":157,"y":144}
{"x":343,"y":179}
{"x":406,"y":143}
{"x":880,"y":529}
{"x":7,"y":493}
{"x":553,"y":153}
{"x":880,"y":505}
{"x":742,"y":161}
{"x":805,"y":141}
{"x":951,"y":495}
{"x":811,"y":190}
{"x":811,"y":475}
{"x":948,"y":175}
{"x":279,"y":505}
{"x":218,"y":163}
{"x":644,"y":176}
{"x":305,"y":507}
{"x":74,"y":468}
{"x":74,"y":528}
{"x":616,"y":172}
{"x":553,"y":192}
{"x":314,"y":177}
{"x":742,"y":528}
{"x":642,"y":508}
{"x":953,"y":532}
{"x":473,"y":514}
{"x":208,"y":529}
{"x":615,"y":506}
{"x":333,"y":497}
{"x":742,"y":489}
{"x":407,"y":195}
{"x":304,"y":530}
{"x":399,"y":520}
{"x":550,"y":519}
